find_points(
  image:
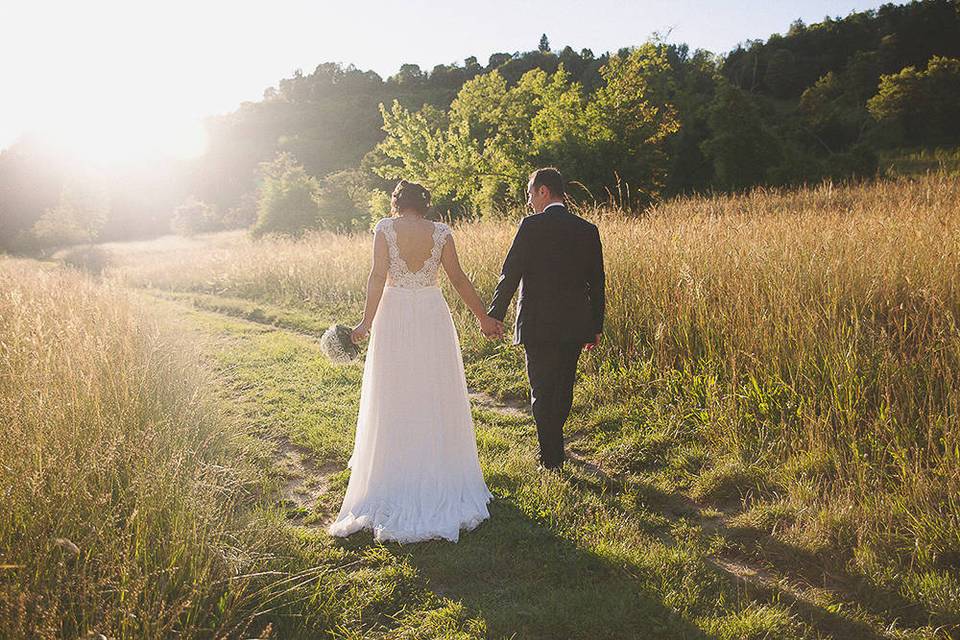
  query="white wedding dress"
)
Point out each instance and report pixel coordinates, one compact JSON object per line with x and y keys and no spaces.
{"x":415,"y":474}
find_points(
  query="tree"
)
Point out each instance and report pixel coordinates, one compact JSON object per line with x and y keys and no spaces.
{"x":194,"y":216}
{"x":830,"y":111}
{"x":920,"y":107}
{"x":544,"y":46}
{"x":629,"y":120}
{"x":413,"y":147}
{"x":941,"y":93}
{"x":409,"y":74}
{"x":478,"y":155}
{"x":497,"y":59}
{"x":344,"y":201}
{"x":78,"y":216}
{"x":287,"y":200}
{"x":897,"y":105}
{"x":739,"y":146}
{"x":781,"y":74}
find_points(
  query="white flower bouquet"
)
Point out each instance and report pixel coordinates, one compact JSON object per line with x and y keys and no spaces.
{"x":337,"y":345}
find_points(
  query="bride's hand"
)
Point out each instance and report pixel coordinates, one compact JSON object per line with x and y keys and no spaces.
{"x":359,"y":332}
{"x":490,"y":327}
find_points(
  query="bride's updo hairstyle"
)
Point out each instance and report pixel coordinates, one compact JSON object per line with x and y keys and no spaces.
{"x":410,"y":196}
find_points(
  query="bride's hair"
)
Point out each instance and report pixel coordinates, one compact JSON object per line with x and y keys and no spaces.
{"x":410,"y":195}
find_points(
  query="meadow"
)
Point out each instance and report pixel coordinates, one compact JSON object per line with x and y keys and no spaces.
{"x":767,"y":439}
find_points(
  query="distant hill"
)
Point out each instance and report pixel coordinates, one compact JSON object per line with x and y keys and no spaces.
{"x":791,"y":109}
{"x":868,"y":44}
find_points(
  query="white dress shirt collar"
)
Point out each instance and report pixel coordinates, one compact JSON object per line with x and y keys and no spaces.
{"x":552,"y":204}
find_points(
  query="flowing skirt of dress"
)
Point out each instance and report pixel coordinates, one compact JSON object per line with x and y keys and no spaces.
{"x":415,"y":473}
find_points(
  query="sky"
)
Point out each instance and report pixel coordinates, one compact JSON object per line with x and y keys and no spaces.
{"x":124,"y":76}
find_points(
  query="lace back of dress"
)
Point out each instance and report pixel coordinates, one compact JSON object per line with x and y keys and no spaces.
{"x":399,"y":275}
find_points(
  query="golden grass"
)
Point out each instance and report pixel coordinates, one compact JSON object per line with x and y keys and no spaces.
{"x":125,"y":495}
{"x":815,"y":331}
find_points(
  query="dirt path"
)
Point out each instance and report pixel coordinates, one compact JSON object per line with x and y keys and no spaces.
{"x":307,"y":481}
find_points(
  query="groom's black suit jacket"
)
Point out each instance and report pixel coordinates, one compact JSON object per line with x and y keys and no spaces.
{"x":557,"y":259}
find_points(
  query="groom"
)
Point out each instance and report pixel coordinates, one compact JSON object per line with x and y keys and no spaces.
{"x":557,"y":260}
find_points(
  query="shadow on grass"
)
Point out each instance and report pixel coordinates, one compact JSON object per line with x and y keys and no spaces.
{"x":789,"y":560}
{"x":528,"y":583}
{"x":829,"y":570}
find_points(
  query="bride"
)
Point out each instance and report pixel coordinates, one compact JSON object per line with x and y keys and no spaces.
{"x":415,"y":474}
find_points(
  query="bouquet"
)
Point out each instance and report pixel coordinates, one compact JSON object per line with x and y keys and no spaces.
{"x":337,"y":345}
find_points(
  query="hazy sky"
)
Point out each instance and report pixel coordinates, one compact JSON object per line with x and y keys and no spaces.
{"x":114,"y":70}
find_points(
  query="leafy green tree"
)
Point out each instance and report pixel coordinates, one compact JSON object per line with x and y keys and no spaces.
{"x":832,"y":114}
{"x":694,"y":81}
{"x":941,"y":92}
{"x":740,"y":146}
{"x":497,"y":59}
{"x":409,"y":74}
{"x":861,"y":76}
{"x":897,"y":105}
{"x":467,"y":155}
{"x":413,"y":148}
{"x":344,"y":201}
{"x":194,"y":216}
{"x":544,"y":46}
{"x":77,"y":218}
{"x":379,"y":206}
{"x":920,"y":107}
{"x":629,"y":120}
{"x":478,"y":155}
{"x":781,"y":74}
{"x":491,"y":137}
{"x":287,"y":200}
{"x":559,"y":129}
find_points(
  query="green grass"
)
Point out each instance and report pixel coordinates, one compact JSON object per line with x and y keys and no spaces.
{"x":767,"y":435}
{"x":599,"y":552}
{"x":282,"y":383}
{"x":613,"y":547}
{"x":907,"y":162}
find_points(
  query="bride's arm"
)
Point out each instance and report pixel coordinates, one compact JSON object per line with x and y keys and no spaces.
{"x":375,"y":282}
{"x":465,"y":289}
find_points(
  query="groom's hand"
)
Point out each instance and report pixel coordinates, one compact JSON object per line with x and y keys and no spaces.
{"x":590,"y":346}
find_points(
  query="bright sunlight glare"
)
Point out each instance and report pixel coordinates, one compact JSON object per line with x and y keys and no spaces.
{"x":116,"y":81}
{"x":109,"y":139}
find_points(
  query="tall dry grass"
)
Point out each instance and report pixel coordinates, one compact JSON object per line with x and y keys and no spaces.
{"x":126,"y":498}
{"x":810,"y":331}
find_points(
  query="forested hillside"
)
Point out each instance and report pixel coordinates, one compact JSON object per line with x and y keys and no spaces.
{"x":631,"y":127}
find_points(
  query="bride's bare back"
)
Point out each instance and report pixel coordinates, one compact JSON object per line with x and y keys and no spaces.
{"x":407,"y":252}
{"x":415,"y":239}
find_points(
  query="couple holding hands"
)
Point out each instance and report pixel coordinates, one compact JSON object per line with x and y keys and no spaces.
{"x":415,"y":473}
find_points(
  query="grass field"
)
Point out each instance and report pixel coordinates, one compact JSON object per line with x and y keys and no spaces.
{"x":766,"y":445}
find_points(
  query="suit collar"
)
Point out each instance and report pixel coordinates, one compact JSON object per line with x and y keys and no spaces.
{"x":554,"y":206}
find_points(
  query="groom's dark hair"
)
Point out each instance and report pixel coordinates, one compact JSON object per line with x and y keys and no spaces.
{"x":550,"y":178}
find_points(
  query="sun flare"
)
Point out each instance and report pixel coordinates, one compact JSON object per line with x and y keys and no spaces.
{"x":129,"y":137}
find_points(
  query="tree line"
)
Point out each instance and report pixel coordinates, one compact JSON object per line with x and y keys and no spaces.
{"x":631,"y":127}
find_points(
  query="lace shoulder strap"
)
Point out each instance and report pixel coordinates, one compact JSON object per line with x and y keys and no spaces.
{"x":385,"y":226}
{"x":441,"y":233}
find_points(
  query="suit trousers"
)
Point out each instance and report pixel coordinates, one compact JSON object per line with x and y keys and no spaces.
{"x":552,"y":370}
